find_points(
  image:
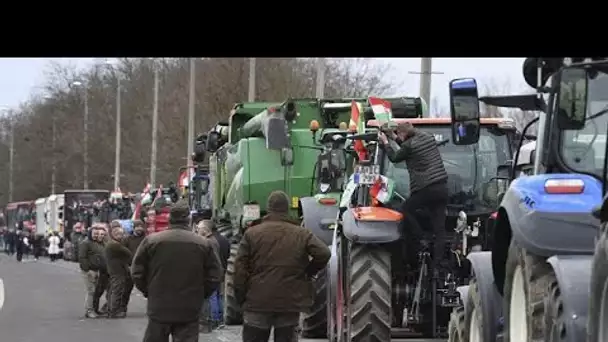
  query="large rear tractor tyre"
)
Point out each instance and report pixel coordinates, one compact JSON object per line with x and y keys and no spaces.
{"x":598,"y":297}
{"x":527,"y":282}
{"x":555,"y":327}
{"x":314,"y":322}
{"x":456,"y":327}
{"x":370,"y":293}
{"x":232,"y":310}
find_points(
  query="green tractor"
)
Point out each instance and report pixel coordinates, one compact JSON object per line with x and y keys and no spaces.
{"x":264,"y":147}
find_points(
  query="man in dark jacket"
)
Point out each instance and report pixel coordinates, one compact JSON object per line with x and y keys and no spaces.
{"x":92,"y":263}
{"x":274,"y":267}
{"x":176,"y":270}
{"x":428,"y":183}
{"x":118,"y":258}
{"x":132,"y":242}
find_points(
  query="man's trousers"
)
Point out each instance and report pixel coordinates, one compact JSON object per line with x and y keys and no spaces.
{"x":118,"y":284}
{"x":257,"y":326}
{"x":179,"y":332}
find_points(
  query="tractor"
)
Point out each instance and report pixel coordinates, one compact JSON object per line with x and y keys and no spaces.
{"x":544,"y":277}
{"x":373,"y":291}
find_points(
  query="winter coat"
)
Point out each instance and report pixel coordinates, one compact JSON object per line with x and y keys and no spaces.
{"x":176,"y":270}
{"x":90,"y":256}
{"x":275,"y":264}
{"x":132,"y":242}
{"x":54,"y":244}
{"x":422,"y":158}
{"x":118,"y":258}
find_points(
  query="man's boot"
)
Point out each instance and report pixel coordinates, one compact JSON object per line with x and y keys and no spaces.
{"x":90,"y":314}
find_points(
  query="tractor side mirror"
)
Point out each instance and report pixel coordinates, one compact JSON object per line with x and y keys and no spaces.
{"x":464,"y":111}
{"x":572,"y":99}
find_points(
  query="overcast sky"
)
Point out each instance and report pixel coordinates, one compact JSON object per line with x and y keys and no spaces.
{"x":20,"y":76}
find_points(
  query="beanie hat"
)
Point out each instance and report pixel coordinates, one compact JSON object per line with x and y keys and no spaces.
{"x":278,"y":203}
{"x":180,"y":212}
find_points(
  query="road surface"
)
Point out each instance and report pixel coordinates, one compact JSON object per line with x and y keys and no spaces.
{"x":43,"y":301}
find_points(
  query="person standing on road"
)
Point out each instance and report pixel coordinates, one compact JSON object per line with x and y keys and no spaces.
{"x":118,"y":258}
{"x":11,"y":241}
{"x":54,"y":246}
{"x":209,"y":318}
{"x":176,"y":270}
{"x":132,"y":242}
{"x":274,"y":267}
{"x":21,"y":245}
{"x":224,"y":249}
{"x":92,"y":263}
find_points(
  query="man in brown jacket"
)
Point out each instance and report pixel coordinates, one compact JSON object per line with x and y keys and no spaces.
{"x":273,"y":273}
{"x":118,"y":258}
{"x":176,"y":270}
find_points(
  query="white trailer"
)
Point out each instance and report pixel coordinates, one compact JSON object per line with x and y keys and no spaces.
{"x":55,"y":215}
{"x":41,"y":209}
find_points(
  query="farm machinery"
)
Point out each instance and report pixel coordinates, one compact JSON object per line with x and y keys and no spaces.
{"x":376,"y":288}
{"x":545,"y":276}
{"x":269,"y":146}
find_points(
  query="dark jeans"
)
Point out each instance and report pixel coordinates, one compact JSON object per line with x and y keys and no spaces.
{"x":103,"y":283}
{"x":179,"y":332}
{"x":432,"y":199}
{"x":257,"y":326}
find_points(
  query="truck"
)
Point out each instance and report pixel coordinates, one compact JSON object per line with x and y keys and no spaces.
{"x":41,"y":215}
{"x":20,"y":215}
{"x":544,"y":278}
{"x":55,"y":213}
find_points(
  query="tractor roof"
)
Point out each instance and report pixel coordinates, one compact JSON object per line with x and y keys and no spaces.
{"x":504,"y":123}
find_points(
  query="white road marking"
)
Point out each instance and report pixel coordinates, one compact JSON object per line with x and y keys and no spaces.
{"x":1,"y":294}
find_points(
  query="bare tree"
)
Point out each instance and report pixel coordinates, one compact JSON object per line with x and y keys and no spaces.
{"x":221,"y":82}
{"x":493,"y":87}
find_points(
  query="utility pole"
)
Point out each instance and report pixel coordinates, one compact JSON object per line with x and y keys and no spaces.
{"x":118,"y":133}
{"x":320,"y":88}
{"x":426,"y":72}
{"x":54,"y":162}
{"x":191,"y":111}
{"x":86,"y":139}
{"x":11,"y":161}
{"x":251,"y":94}
{"x":154,"y":131}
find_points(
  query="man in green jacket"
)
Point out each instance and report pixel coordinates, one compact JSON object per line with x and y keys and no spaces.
{"x":92,"y":263}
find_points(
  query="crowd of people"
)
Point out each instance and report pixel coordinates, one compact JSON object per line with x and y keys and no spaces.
{"x":22,"y":243}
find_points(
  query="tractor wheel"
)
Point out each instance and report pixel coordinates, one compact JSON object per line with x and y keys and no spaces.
{"x":527,"y":280}
{"x":555,"y":327}
{"x":598,"y":296}
{"x":314,"y":322}
{"x":232,"y":309}
{"x":456,"y":327}
{"x":370,"y":293}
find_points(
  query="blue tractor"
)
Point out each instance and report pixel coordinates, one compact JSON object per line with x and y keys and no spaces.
{"x":541,"y":280}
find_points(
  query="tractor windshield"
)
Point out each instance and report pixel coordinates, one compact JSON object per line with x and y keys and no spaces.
{"x":470,"y":168}
{"x":583,"y":150}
